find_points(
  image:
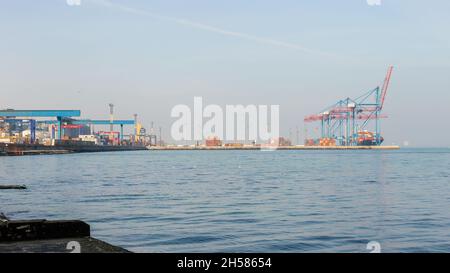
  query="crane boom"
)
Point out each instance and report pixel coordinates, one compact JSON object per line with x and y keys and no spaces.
{"x":386,"y":86}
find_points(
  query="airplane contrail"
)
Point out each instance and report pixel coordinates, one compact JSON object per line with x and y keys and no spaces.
{"x":201,"y":26}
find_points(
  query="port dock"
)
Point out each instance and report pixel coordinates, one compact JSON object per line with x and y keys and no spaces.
{"x":283,"y":148}
{"x":30,"y":132}
{"x":63,"y":148}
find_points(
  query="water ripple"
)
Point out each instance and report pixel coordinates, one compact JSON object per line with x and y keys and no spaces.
{"x":243,"y":201}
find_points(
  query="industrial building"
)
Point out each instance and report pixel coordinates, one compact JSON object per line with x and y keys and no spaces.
{"x":28,"y":130}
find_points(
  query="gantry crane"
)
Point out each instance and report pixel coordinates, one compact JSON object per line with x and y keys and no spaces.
{"x":348,"y":120}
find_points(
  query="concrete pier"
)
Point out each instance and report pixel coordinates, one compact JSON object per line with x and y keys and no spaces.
{"x":61,"y":148}
{"x":42,"y":236}
{"x":255,"y":148}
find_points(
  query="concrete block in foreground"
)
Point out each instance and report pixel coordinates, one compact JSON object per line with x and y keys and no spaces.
{"x":42,"y":236}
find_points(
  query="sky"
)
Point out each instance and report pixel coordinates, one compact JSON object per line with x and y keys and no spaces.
{"x":148,"y":56}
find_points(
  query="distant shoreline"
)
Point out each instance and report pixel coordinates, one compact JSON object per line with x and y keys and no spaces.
{"x":255,"y":148}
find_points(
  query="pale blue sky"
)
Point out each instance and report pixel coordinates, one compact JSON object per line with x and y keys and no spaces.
{"x":302,"y":55}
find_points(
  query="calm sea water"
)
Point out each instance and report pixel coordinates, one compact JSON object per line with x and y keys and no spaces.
{"x":242,"y":201}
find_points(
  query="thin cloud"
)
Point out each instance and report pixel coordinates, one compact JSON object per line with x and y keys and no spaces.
{"x":213,"y":29}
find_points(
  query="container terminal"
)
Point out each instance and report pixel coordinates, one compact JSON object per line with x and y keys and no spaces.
{"x":29,"y":132}
{"x":349,"y":124}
